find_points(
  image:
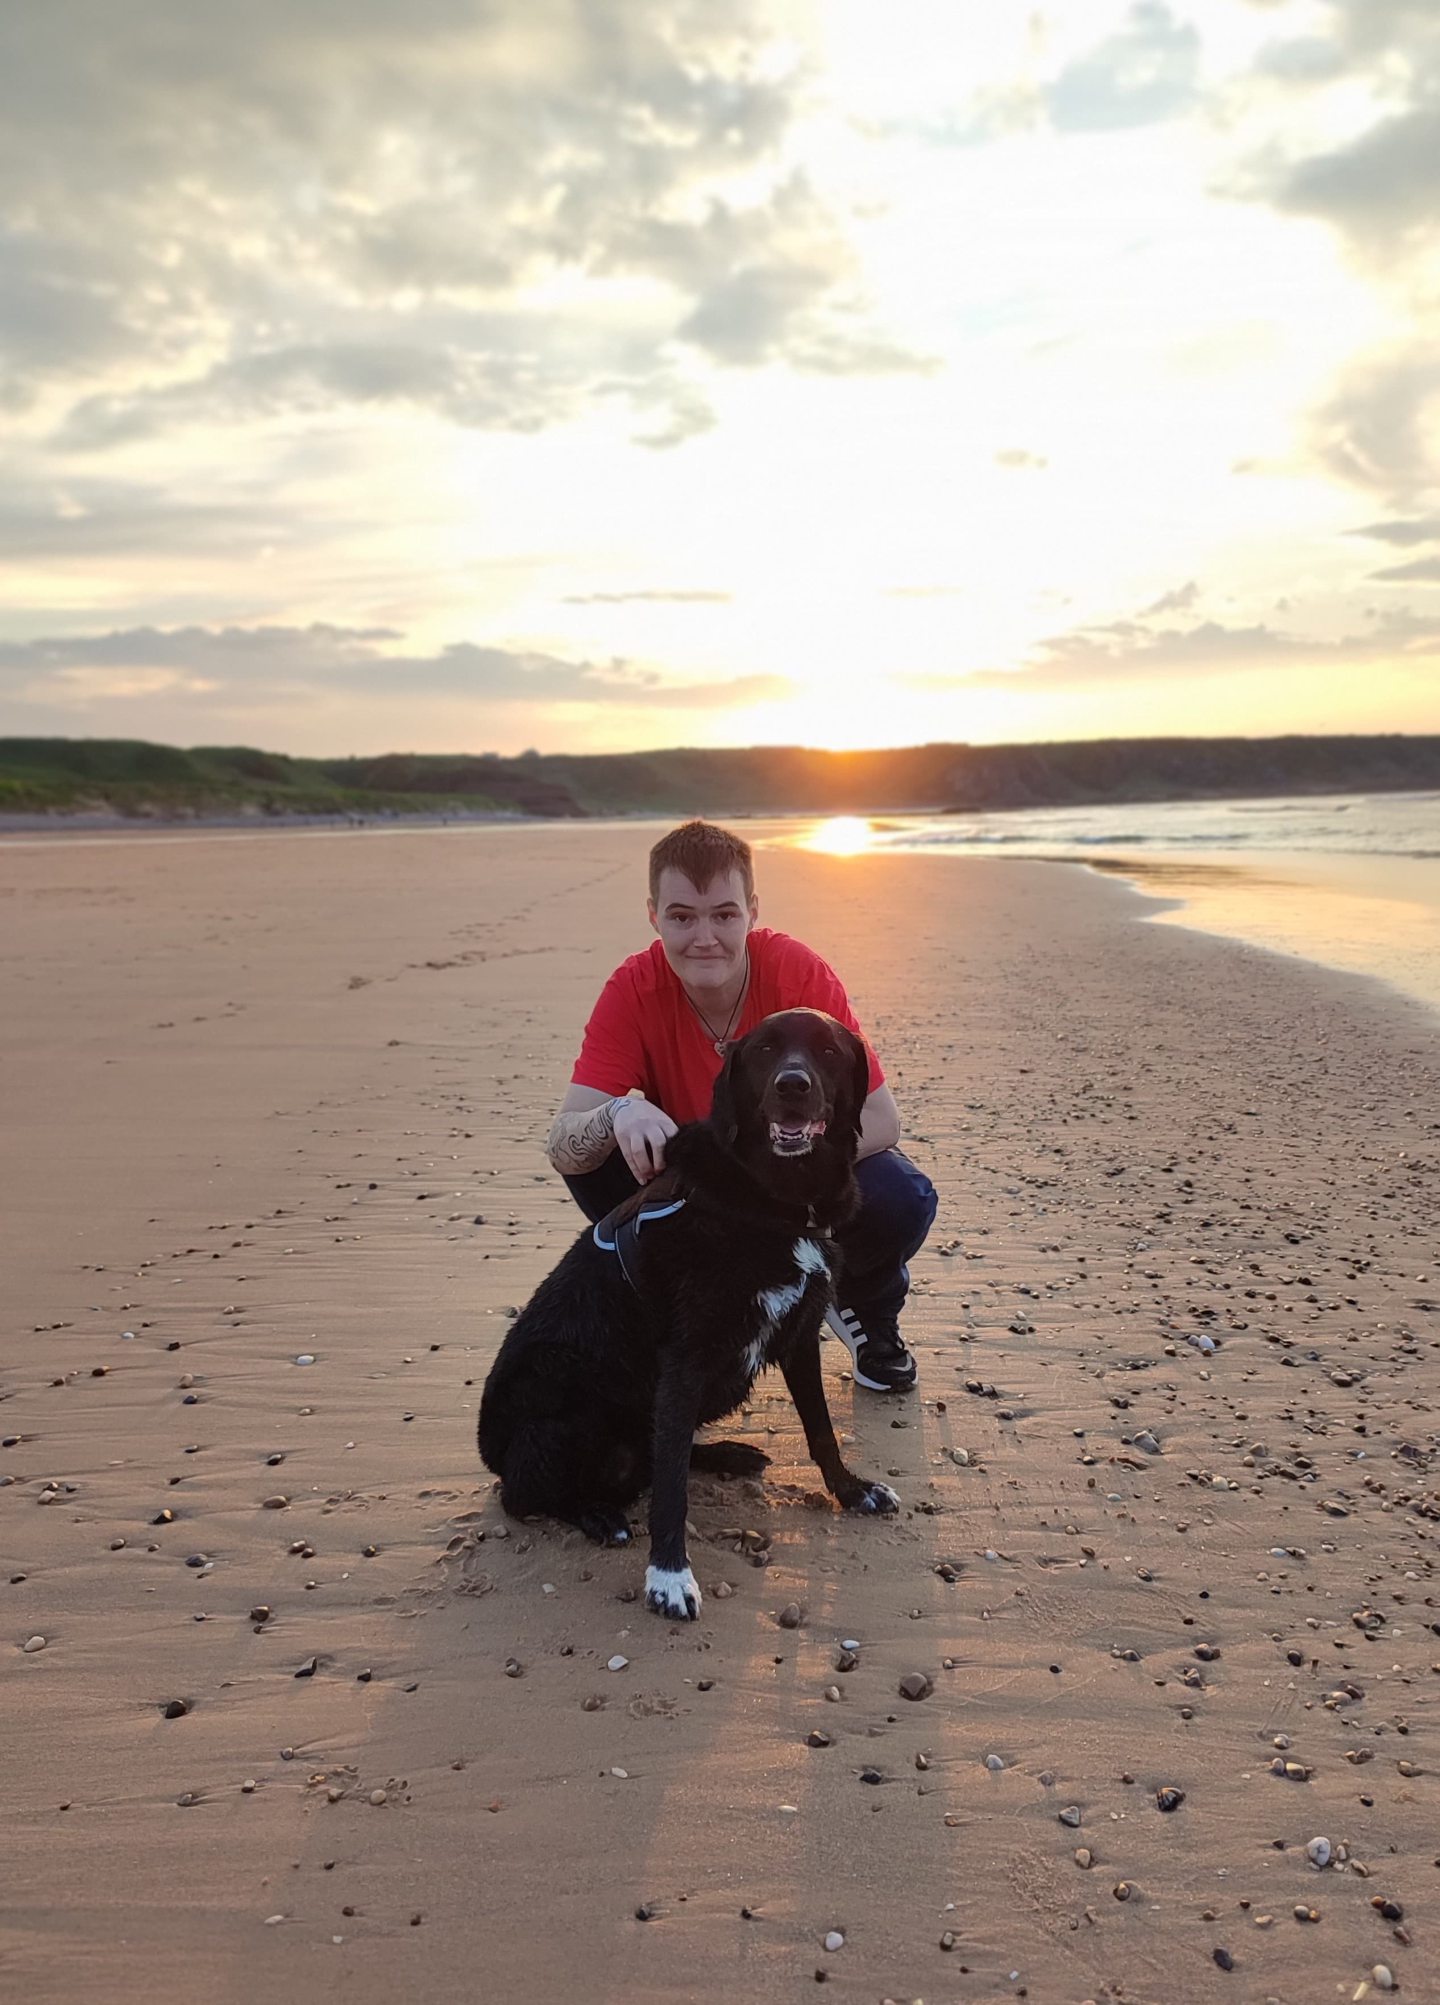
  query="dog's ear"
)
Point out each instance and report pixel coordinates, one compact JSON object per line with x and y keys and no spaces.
{"x":724,"y":1107}
{"x":859,"y":1079}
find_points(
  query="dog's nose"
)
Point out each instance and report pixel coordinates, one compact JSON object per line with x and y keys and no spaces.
{"x":792,"y":1083}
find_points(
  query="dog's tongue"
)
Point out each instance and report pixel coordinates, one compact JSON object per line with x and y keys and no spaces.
{"x":796,"y":1131}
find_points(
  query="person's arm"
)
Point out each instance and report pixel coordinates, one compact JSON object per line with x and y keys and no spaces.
{"x":583,"y":1132}
{"x":591,"y":1123}
{"x":879,"y":1123}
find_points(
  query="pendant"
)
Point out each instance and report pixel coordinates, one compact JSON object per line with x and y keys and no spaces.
{"x":719,"y":1047}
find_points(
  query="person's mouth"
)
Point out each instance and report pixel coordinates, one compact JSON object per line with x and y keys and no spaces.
{"x":795,"y":1138}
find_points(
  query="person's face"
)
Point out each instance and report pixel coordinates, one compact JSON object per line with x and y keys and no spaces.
{"x":703,"y":932}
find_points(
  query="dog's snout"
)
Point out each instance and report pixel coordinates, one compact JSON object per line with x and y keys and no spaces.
{"x":793,"y":1082}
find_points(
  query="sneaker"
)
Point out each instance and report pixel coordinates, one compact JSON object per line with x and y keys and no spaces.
{"x":880,"y":1360}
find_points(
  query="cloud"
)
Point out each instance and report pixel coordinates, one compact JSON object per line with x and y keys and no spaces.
{"x":1132,"y":651}
{"x":1380,"y":427}
{"x":1424,"y":529}
{"x":503,"y":215}
{"x":1421,"y":571}
{"x":1147,"y":71}
{"x":288,"y":667}
{"x":1179,"y":600}
{"x":1379,"y":189}
{"x":1378,"y":186}
{"x":647,"y":598}
{"x":75,"y":520}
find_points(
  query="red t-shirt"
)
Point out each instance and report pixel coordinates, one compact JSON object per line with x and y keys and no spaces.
{"x":644,"y":1033}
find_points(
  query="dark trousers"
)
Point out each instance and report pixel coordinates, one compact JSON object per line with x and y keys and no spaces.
{"x":897,"y":1209}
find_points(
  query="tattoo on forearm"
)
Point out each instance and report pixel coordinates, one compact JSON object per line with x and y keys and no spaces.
{"x":581,"y":1142}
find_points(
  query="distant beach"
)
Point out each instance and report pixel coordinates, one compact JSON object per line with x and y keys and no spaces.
{"x":1350,"y":881}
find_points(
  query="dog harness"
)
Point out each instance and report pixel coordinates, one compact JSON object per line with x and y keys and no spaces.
{"x":623,"y":1239}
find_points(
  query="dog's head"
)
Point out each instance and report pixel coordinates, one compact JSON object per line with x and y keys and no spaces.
{"x":794,"y":1084}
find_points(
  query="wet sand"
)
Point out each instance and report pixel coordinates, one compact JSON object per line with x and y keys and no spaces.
{"x":281,"y":1096}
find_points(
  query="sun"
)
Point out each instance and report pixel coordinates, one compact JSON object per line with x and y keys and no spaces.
{"x":842,"y":835}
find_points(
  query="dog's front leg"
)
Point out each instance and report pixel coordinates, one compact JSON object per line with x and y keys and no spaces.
{"x":670,"y":1587}
{"x":801,"y":1366}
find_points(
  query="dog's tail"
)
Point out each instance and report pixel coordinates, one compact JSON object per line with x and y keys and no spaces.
{"x":728,"y":1458}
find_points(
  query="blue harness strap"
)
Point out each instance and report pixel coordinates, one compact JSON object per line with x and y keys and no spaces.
{"x":623,"y":1239}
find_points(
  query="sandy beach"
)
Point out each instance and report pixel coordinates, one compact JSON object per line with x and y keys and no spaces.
{"x":1170,"y":1477}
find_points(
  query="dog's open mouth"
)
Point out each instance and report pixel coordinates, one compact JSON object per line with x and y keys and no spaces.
{"x":794,"y":1138}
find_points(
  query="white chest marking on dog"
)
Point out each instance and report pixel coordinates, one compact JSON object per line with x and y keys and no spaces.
{"x":776,"y":1303}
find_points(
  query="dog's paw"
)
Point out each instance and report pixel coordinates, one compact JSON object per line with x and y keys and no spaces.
{"x":877,"y":1500}
{"x":672,"y":1591}
{"x":607,"y":1528}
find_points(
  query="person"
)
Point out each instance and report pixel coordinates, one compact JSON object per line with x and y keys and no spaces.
{"x":653,"y":1048}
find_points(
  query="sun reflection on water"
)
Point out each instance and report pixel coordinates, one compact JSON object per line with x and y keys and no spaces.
{"x":842,"y":835}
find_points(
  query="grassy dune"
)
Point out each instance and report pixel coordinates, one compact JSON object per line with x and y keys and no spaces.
{"x":163,"y":782}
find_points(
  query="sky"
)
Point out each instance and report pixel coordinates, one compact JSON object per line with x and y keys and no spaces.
{"x":476,"y":375}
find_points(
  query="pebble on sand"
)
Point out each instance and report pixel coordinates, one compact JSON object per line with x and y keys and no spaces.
{"x":790,"y":1616}
{"x":617,"y":1663}
{"x":1318,"y":1852}
{"x":834,"y":1940}
{"x":35,"y":1643}
{"x":915,"y":1685}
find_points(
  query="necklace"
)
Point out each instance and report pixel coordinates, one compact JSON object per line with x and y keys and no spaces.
{"x":722,"y":1039}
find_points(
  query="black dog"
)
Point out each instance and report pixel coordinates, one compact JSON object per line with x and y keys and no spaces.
{"x":660,"y":1319}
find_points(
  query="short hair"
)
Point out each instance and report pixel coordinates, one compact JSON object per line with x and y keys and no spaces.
{"x":702,"y":852}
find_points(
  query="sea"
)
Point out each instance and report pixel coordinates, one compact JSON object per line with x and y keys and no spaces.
{"x":1350,"y":881}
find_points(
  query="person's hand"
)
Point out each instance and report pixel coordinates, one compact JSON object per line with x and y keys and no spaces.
{"x":642,"y":1132}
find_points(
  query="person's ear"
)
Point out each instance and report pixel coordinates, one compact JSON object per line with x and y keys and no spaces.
{"x":724,"y":1107}
{"x":754,"y":910}
{"x":653,"y":915}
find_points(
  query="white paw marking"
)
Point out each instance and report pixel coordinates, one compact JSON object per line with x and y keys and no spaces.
{"x":880,"y":1499}
{"x":673,"y":1591}
{"x":755,"y":1354}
